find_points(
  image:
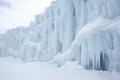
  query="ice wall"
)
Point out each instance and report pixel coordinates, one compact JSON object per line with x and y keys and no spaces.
{"x":86,"y":31}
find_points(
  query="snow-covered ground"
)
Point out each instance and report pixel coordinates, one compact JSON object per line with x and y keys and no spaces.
{"x":15,"y":69}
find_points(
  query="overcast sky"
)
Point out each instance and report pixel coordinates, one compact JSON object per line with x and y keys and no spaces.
{"x":15,"y":13}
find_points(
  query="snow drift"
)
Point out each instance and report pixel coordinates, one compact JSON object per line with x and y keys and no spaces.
{"x":86,"y":31}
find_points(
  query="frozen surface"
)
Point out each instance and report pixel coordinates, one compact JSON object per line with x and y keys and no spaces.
{"x":15,"y":69}
{"x":86,"y":31}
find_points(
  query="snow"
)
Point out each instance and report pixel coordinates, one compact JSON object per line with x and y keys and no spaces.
{"x":85,"y":31}
{"x":15,"y":69}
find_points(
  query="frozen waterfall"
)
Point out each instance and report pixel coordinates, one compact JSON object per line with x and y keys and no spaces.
{"x":86,"y":31}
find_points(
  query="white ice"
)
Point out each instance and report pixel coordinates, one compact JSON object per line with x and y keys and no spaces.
{"x":87,"y":31}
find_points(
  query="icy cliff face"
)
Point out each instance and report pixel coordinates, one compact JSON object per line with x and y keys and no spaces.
{"x":86,"y":31}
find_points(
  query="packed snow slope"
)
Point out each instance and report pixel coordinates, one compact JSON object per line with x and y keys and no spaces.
{"x":86,"y":31}
{"x":12,"y":69}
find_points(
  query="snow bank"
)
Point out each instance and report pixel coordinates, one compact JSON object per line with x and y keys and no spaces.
{"x":12,"y":69}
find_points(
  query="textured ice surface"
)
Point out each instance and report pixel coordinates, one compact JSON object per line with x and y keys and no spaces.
{"x":86,"y":31}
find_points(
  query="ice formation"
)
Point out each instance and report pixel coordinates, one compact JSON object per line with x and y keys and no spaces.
{"x":86,"y":31}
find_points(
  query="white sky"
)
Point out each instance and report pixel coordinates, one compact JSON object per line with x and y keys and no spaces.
{"x":14,"y":13}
